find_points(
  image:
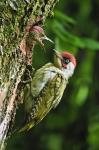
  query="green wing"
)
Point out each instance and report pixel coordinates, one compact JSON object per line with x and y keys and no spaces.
{"x":48,"y":97}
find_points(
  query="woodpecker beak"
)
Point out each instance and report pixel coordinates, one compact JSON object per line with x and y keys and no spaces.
{"x":58,"y":54}
{"x":57,"y":59}
{"x":48,"y":39}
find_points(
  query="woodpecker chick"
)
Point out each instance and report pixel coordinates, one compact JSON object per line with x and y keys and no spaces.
{"x":40,"y":35}
{"x":47,"y":87}
{"x":32,"y":35}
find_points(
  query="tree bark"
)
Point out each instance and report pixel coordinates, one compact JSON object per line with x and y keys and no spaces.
{"x":17,"y":19}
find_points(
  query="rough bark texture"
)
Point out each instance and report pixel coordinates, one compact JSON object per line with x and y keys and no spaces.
{"x":17,"y":19}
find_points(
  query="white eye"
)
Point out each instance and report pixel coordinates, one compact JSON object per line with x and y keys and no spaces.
{"x":66,"y":60}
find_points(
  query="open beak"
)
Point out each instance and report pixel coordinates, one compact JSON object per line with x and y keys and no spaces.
{"x":48,"y":39}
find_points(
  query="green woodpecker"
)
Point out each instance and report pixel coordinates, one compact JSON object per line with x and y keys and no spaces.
{"x":47,"y":87}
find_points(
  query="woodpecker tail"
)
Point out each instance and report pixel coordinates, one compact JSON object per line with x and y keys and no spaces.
{"x":27,"y":127}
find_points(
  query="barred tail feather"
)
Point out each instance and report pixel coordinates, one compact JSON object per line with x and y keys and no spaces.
{"x":27,"y":127}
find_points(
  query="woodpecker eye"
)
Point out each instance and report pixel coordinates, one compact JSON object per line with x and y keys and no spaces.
{"x":66,"y":60}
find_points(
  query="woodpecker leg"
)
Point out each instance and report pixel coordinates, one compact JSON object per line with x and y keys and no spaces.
{"x":26,"y":81}
{"x":28,"y":75}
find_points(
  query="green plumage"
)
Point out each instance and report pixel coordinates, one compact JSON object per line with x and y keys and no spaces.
{"x":47,"y":88}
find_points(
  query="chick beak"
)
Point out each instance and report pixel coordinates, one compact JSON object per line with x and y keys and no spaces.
{"x":46,"y":38}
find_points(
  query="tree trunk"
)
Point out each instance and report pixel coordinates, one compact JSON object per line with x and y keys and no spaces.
{"x":17,"y":20}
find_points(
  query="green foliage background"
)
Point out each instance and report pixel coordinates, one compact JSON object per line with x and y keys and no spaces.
{"x":74,"y":124}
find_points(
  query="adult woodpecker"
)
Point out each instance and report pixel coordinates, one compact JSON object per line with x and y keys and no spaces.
{"x":47,"y":87}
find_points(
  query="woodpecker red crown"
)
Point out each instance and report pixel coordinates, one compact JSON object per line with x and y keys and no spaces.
{"x":70,"y":57}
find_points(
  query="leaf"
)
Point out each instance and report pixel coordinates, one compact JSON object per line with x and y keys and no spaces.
{"x":64,"y":17}
{"x":82,"y":95}
{"x":90,"y":43}
{"x":58,"y":29}
{"x":72,"y":39}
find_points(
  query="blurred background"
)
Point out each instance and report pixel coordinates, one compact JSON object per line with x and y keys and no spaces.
{"x":74,"y":124}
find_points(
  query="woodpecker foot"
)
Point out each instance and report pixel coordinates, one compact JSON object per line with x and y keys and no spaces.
{"x":27,"y":78}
